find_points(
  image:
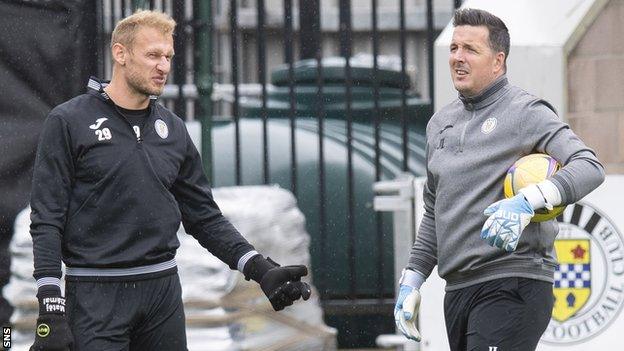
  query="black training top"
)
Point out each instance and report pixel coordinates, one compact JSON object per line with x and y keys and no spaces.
{"x":104,"y":196}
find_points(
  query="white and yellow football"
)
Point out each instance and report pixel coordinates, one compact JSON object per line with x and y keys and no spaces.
{"x":529,"y":170}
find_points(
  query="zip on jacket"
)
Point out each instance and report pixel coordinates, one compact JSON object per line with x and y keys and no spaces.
{"x":466,"y":166}
{"x":105,"y":196}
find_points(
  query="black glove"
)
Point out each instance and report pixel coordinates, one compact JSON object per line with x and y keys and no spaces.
{"x":282,"y":285}
{"x":53,"y":333}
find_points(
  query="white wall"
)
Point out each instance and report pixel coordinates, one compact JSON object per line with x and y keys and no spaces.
{"x":541,"y":31}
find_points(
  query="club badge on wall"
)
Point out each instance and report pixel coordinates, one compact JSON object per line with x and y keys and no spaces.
{"x":589,"y":279}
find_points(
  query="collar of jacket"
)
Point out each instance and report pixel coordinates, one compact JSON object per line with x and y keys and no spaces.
{"x":96,"y":86}
{"x":488,"y":96}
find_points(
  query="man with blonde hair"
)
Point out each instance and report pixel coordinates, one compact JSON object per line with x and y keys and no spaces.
{"x":114,"y":176}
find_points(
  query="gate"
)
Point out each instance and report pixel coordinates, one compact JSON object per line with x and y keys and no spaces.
{"x":277,"y":82}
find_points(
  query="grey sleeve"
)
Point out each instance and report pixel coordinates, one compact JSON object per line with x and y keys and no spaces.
{"x":424,"y":254}
{"x":581,"y":172}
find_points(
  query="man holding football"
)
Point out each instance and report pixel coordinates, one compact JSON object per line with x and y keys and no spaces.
{"x":497,"y":265}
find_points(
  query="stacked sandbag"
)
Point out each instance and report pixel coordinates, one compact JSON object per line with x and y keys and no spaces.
{"x":223,"y":311}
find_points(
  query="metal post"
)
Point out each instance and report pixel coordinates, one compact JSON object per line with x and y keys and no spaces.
{"x":397,"y":196}
{"x":101,"y":40}
{"x":345,"y":49}
{"x":204,"y":78}
{"x":179,"y":63}
{"x":320,"y":118}
{"x":262,"y":80}
{"x":404,"y":85}
{"x":309,"y":15}
{"x":430,"y":42}
{"x":377,"y":136}
{"x":289,"y":58}
{"x":235,"y":113}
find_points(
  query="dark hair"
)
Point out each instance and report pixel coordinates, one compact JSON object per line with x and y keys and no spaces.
{"x":499,"y":35}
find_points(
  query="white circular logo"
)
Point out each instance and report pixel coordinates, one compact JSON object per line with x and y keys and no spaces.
{"x":161,"y":128}
{"x":589,"y":279}
{"x":489,"y":125}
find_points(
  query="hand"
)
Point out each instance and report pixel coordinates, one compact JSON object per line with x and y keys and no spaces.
{"x":406,"y":310}
{"x":283,"y":285}
{"x":507,"y":219}
{"x":53,"y":332}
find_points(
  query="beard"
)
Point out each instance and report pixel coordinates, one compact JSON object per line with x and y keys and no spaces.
{"x":142,"y":85}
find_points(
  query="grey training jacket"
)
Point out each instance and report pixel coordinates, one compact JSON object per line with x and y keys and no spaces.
{"x":470,"y":145}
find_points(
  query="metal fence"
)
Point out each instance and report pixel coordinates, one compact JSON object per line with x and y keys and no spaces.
{"x":211,"y":76}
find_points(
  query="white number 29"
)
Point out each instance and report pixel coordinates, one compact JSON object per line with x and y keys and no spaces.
{"x":103,"y":134}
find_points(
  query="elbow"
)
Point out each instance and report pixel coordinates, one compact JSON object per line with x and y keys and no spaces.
{"x":602,"y":175}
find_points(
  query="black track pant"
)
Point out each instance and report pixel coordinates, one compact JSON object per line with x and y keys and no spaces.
{"x":130,"y":316}
{"x":508,"y":314}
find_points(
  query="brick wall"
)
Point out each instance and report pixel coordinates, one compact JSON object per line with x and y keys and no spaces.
{"x":596,"y":87}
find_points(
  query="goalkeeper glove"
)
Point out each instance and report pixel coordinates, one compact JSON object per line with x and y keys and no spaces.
{"x":282,"y":285}
{"x":408,"y":303}
{"x":53,"y":332}
{"x":507,"y":219}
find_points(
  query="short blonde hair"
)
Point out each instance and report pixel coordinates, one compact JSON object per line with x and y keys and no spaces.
{"x":126,"y":29}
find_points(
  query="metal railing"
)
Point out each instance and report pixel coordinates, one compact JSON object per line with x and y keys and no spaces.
{"x":199,"y":88}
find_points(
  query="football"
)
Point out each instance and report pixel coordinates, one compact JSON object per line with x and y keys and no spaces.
{"x":529,"y":170}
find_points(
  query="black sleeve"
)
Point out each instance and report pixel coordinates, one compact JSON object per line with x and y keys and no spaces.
{"x":49,"y":200}
{"x":201,"y":216}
